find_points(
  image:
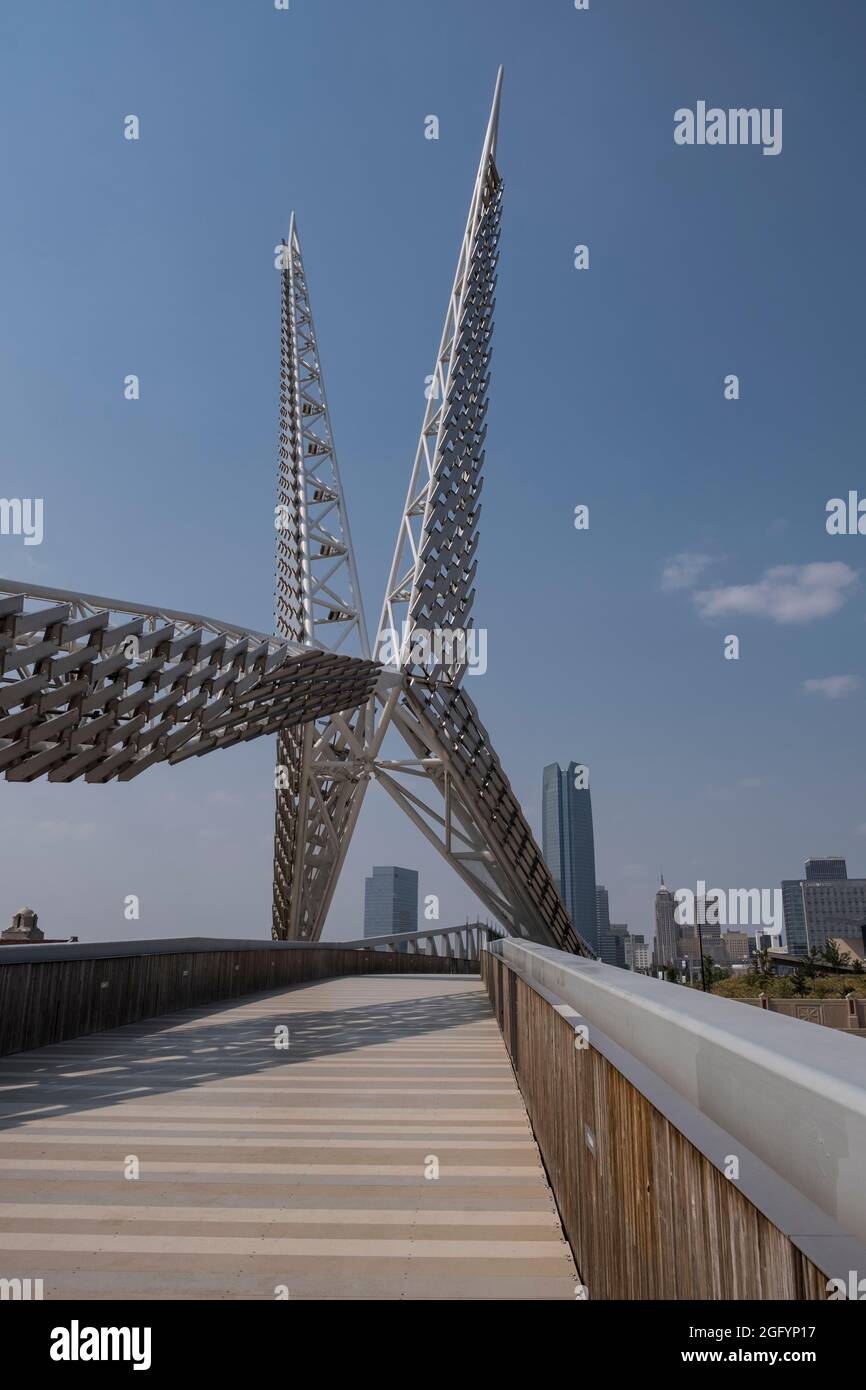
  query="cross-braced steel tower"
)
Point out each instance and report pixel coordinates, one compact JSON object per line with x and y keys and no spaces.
{"x":452,"y":785}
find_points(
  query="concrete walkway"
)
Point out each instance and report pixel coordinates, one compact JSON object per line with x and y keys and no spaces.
{"x":265,"y":1172}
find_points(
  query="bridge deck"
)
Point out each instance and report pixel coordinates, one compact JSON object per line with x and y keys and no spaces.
{"x":262,"y":1168}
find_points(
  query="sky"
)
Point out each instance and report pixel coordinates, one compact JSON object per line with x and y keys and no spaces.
{"x":707,"y":515}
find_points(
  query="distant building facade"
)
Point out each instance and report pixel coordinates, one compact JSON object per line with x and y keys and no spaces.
{"x":25,"y":931}
{"x":24,"y":928}
{"x":824,"y":904}
{"x":602,"y":910}
{"x":795,"y":916}
{"x":568,"y":844}
{"x":390,"y":901}
{"x":666,"y":928}
{"x":639,"y":955}
{"x":821,"y":870}
{"x":737,"y":946}
{"x":618,"y":950}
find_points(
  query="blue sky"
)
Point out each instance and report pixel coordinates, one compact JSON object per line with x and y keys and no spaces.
{"x":156,"y":258}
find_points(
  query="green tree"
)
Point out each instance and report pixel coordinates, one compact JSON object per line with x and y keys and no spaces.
{"x":813,"y":959}
{"x":671,"y":974}
{"x":833,"y":956}
{"x":763,"y":968}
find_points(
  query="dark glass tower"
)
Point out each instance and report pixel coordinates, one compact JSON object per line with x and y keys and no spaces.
{"x":390,"y":901}
{"x":569,"y":846}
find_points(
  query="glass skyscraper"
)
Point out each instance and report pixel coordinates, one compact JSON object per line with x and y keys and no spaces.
{"x":569,"y":846}
{"x":390,"y":901}
{"x":824,"y":904}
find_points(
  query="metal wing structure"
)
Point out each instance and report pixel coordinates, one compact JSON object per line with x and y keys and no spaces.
{"x":102,"y":689}
{"x":321,"y":767}
{"x":476,"y":821}
{"x":452,"y":786}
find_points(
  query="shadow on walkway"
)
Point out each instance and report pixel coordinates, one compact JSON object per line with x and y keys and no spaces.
{"x":198,"y":1046}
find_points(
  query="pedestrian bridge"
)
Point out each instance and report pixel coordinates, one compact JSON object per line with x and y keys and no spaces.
{"x":244,"y":1120}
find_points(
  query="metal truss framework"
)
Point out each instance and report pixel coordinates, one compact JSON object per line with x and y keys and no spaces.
{"x":103,"y":689}
{"x":319,"y":782}
{"x":452,"y":786}
{"x":462,"y":943}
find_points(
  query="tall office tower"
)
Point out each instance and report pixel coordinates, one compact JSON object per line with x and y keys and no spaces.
{"x":833,"y":907}
{"x":667,"y":928}
{"x":619,"y":945}
{"x":821,"y":870}
{"x":641,"y":955}
{"x":390,"y":901}
{"x":569,"y":847}
{"x":711,"y":931}
{"x":602,"y":910}
{"x":795,"y":916}
{"x":633,"y":942}
{"x":825,"y":903}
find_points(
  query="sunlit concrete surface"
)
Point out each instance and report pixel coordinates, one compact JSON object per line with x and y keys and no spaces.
{"x":265,"y":1171}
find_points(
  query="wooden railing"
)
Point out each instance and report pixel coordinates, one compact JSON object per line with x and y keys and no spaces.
{"x":48,"y":993}
{"x":657,"y":1200}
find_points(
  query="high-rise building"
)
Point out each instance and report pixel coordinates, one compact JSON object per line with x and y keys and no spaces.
{"x":795,"y":916}
{"x":666,"y":928}
{"x":641,"y":955}
{"x":737,"y":946}
{"x":710,"y":931}
{"x":618,"y":945}
{"x":613,"y":939}
{"x":835,"y":907}
{"x":569,"y":847}
{"x":602,"y":910}
{"x":824,"y":904}
{"x":820,"y":870}
{"x":390,"y":901}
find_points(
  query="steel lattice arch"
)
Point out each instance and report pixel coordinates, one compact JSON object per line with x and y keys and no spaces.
{"x":102,"y":689}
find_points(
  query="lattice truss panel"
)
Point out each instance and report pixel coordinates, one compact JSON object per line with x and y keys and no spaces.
{"x":453,"y":786}
{"x":480,"y":829}
{"x":446,"y":564}
{"x":483,"y":829}
{"x":104,"y":689}
{"x":320,"y":779}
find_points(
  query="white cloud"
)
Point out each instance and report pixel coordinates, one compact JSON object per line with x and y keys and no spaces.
{"x":786,"y":594}
{"x":832,"y":687}
{"x":684,"y":570}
